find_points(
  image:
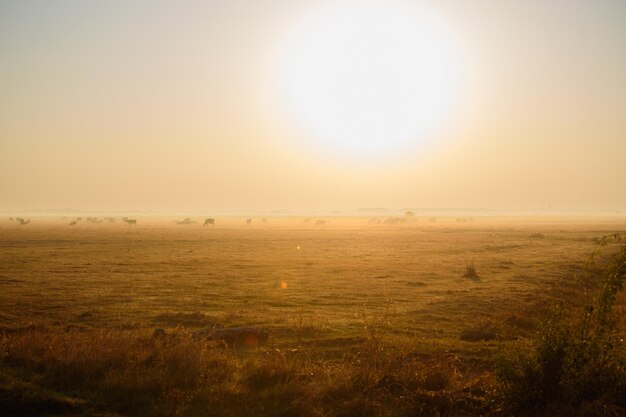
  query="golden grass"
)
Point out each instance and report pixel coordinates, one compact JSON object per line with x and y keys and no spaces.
{"x":365,"y":318}
{"x":137,"y":375}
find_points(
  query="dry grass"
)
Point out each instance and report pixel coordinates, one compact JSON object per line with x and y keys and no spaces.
{"x":470,"y":272}
{"x":133,"y":374}
{"x":365,"y":318}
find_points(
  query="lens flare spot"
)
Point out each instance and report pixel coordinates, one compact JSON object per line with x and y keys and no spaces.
{"x":283,"y":285}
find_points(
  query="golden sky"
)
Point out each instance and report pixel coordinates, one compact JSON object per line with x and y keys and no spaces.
{"x":230,"y":105}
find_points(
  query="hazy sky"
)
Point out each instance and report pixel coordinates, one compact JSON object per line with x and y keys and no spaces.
{"x":135,"y":105}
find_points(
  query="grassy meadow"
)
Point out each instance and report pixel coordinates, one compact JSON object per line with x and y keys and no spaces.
{"x":365,"y":318}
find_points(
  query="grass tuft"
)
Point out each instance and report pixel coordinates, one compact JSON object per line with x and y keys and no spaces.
{"x":470,"y":271}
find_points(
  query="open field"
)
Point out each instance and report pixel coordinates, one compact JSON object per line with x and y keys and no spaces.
{"x":332,"y":291}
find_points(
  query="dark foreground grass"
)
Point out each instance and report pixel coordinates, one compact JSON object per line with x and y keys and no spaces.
{"x":127,"y":373}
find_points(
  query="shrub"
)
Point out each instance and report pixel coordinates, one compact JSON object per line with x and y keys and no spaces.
{"x":574,"y":359}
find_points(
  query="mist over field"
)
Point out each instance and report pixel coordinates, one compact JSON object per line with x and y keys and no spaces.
{"x":312,"y":208}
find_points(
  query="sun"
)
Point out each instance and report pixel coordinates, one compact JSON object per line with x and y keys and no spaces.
{"x":368,"y":78}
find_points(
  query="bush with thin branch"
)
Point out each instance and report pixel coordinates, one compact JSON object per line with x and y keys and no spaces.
{"x":575,"y":359}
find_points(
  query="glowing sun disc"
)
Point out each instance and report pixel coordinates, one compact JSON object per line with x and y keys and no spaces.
{"x":369,"y":77}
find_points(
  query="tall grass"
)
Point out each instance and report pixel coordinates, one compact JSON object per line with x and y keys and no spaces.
{"x":132,"y":374}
